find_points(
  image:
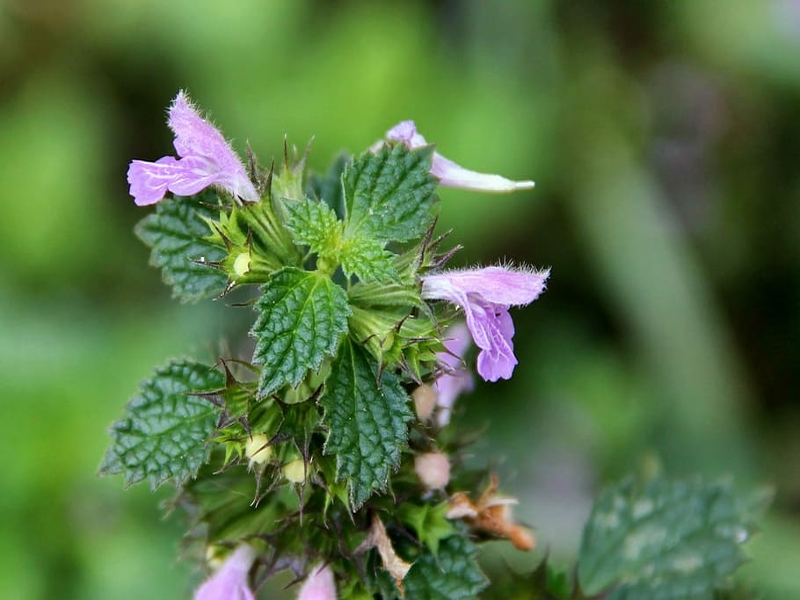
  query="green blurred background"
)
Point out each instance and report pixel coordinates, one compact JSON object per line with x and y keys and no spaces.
{"x":664,"y":137}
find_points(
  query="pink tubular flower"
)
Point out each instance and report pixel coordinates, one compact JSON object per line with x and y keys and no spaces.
{"x":449,"y":173}
{"x":230,"y":581}
{"x":319,"y":585}
{"x":454,"y":379}
{"x":206,"y":160}
{"x":485,"y":295}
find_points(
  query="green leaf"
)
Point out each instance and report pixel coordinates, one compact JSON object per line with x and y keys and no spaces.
{"x":665,"y":539}
{"x":165,"y":428}
{"x":314,"y":224}
{"x":366,"y":418}
{"x":175,"y":233}
{"x":389,"y":193}
{"x":453,"y":574}
{"x":365,"y":257}
{"x":302,"y":318}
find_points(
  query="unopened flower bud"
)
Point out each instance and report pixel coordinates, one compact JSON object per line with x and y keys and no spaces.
{"x":215,"y":556}
{"x":433,"y":469}
{"x":257,"y":449}
{"x":241,"y":265}
{"x":425,"y":398}
{"x":295,"y":471}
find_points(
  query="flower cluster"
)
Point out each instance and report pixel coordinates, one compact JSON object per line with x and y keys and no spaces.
{"x":355,"y":307}
{"x":484,"y":295}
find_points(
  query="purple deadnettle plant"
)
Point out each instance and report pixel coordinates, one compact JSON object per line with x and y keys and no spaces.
{"x":313,"y":451}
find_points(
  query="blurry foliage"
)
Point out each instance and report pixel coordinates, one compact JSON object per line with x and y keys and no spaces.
{"x":664,"y":140}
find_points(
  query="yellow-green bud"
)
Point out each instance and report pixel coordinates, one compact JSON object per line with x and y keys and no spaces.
{"x":241,"y":265}
{"x":295,"y":471}
{"x":215,"y":556}
{"x":257,"y":450}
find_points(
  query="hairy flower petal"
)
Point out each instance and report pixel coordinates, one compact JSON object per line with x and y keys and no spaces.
{"x":196,"y":137}
{"x":230,"y":581}
{"x":485,"y":295}
{"x":206,"y":160}
{"x":319,"y":585}
{"x":449,"y":173}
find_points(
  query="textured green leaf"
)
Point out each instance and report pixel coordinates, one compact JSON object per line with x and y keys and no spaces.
{"x":389,"y":193}
{"x":314,"y":224}
{"x":175,"y":232}
{"x":366,"y":258}
{"x":665,"y":539}
{"x":302,"y":318}
{"x":367,"y":422}
{"x":453,"y":574}
{"x":165,"y":428}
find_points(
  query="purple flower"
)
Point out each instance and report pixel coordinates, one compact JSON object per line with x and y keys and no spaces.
{"x":485,"y":295}
{"x":206,"y":159}
{"x":230,"y":581}
{"x":454,"y":378}
{"x":319,"y":585}
{"x":449,"y":173}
